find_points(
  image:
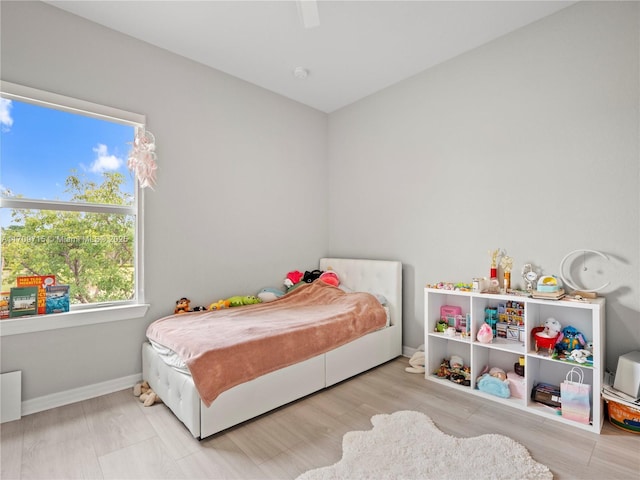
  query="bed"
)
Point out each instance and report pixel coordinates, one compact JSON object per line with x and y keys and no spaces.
{"x":177,"y":388}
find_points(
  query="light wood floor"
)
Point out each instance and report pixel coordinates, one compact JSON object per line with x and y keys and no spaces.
{"x":115,"y":437}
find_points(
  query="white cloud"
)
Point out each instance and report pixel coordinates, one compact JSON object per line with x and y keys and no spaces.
{"x":104,"y":162}
{"x":5,"y":113}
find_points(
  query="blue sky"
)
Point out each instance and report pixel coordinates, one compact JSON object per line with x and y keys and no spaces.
{"x":39,"y":147}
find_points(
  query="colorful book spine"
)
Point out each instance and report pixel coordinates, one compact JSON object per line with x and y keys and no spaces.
{"x":40,"y":281}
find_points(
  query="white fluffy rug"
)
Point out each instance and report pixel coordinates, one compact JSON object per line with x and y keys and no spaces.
{"x":407,"y":445}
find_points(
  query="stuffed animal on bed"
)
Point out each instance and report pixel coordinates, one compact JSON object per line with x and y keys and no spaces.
{"x":293,"y":278}
{"x":239,"y":300}
{"x":269,"y":294}
{"x":182,"y":305}
{"x":219,"y":305}
{"x":311,"y":276}
{"x":329,"y":277}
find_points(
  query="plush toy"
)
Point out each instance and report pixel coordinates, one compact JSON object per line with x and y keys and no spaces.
{"x":269,"y":294}
{"x":182,"y":305}
{"x":146,"y":395}
{"x":219,"y":305}
{"x":239,"y":300}
{"x":494,"y":385}
{"x":312,"y":276}
{"x":570,"y":339}
{"x":330,"y":278}
{"x":581,"y":356}
{"x":552,"y":328}
{"x":485,"y":335}
{"x":292,"y":278}
{"x":498,"y":373}
{"x":455,"y":371}
{"x":417,"y":361}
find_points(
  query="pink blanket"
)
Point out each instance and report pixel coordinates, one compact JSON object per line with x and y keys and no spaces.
{"x":225,"y":348}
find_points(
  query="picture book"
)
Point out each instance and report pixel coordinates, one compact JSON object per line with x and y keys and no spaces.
{"x":4,"y":304}
{"x":40,"y":281}
{"x":23,"y":301}
{"x":57,"y":298}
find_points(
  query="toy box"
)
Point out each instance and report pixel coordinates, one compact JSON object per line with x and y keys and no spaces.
{"x":449,"y":313}
{"x":547,"y":394}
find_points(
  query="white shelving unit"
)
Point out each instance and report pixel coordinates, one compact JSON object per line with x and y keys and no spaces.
{"x":588,"y":318}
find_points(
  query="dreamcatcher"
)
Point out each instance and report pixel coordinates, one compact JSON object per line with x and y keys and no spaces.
{"x":142,"y":158}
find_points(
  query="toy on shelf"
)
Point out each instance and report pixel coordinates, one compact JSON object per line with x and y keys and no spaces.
{"x":494,"y":381}
{"x":546,"y":337}
{"x":570,"y":339}
{"x":485,"y":335}
{"x":455,"y":370}
{"x":548,"y":287}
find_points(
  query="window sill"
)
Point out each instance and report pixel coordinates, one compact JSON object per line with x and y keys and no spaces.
{"x":77,"y":318}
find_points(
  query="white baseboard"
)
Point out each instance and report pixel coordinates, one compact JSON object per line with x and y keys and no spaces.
{"x":74,"y":395}
{"x":409,"y":351}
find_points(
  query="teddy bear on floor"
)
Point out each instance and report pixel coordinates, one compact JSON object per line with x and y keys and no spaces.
{"x":146,"y":395}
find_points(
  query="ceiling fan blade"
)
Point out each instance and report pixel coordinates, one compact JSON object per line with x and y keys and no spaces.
{"x":308,"y":11}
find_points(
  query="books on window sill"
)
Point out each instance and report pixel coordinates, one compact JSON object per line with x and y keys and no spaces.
{"x":23,"y":301}
{"x":34,"y":295}
{"x":57,"y":299}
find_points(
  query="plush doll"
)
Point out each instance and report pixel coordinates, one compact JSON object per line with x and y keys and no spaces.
{"x":293,"y":278}
{"x":552,"y":328}
{"x":494,"y":385}
{"x":312,"y":276}
{"x":417,"y":361}
{"x":485,"y":335}
{"x":570,"y":339}
{"x":330,"y":278}
{"x":146,"y":395}
{"x":238,"y":300}
{"x":269,"y":294}
{"x":182,"y":305}
{"x":219,"y":305}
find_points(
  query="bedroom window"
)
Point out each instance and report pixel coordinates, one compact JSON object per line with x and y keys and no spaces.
{"x":69,"y":207}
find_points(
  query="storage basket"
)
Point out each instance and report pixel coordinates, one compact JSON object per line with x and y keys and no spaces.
{"x":624,"y":417}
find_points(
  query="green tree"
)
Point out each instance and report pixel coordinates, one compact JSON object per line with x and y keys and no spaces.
{"x":91,"y":252}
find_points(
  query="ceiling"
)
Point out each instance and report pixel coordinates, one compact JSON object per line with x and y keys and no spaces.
{"x":358,"y":48}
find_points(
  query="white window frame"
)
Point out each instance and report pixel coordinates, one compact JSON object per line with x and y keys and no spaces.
{"x":81,"y":315}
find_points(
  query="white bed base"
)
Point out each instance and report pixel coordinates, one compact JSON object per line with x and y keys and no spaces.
{"x":278,"y":388}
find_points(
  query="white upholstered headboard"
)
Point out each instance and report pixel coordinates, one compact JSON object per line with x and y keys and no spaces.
{"x":374,"y":276}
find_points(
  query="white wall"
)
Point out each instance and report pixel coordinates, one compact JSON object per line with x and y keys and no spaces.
{"x":236,"y":206}
{"x":529,"y":144}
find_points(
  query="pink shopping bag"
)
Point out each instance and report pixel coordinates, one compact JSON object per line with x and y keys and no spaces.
{"x":575,"y":397}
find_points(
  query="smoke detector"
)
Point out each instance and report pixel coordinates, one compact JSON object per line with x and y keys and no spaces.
{"x":300,"y":72}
